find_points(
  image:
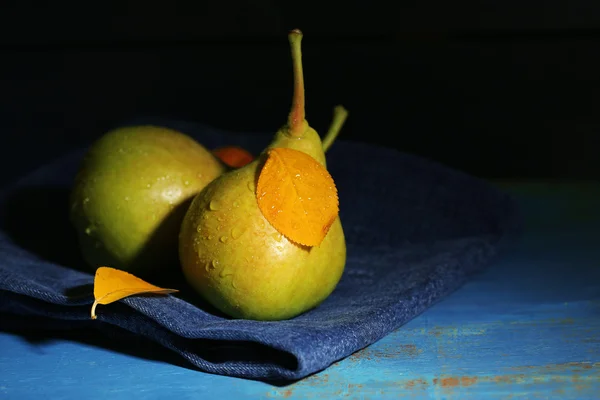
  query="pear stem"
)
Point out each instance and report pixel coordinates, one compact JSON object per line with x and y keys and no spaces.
{"x":339,"y":117}
{"x":297,"y":115}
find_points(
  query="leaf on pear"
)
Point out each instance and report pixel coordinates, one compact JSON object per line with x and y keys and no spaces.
{"x":233,"y":156}
{"x":297,"y":195}
{"x":111,"y":284}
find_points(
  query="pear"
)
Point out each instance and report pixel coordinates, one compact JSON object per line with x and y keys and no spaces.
{"x":131,"y":193}
{"x":235,"y":259}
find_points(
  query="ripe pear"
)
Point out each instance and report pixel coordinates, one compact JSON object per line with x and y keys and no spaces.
{"x":131,"y":193}
{"x":235,"y":259}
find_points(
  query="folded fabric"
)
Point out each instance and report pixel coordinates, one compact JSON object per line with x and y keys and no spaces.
{"x":415,"y":230}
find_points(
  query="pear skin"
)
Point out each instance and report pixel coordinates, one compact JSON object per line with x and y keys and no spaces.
{"x":131,"y":194}
{"x":236,"y":260}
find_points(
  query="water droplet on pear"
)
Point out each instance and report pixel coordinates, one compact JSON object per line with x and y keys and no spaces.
{"x":277,"y":236}
{"x":236,"y":232}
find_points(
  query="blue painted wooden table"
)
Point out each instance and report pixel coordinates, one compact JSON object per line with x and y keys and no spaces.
{"x":527,"y":328}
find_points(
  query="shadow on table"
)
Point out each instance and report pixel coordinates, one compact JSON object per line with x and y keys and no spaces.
{"x":39,"y":331}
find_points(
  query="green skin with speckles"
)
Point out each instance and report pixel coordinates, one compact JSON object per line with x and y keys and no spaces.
{"x":131,"y":193}
{"x":239,"y":263}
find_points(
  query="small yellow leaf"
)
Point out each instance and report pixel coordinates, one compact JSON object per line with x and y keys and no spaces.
{"x":111,"y":284}
{"x":233,"y":156}
{"x":297,"y":195}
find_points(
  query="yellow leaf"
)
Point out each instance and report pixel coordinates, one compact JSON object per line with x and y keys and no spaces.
{"x":297,"y":195}
{"x":111,"y":284}
{"x":233,"y":156}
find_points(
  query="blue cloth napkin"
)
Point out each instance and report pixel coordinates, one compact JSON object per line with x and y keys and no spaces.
{"x":415,"y":230}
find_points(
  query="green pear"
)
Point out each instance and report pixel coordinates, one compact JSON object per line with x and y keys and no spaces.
{"x":235,"y":259}
{"x":131,"y":193}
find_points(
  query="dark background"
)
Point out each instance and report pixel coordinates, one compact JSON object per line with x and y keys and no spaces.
{"x":500,"y":89}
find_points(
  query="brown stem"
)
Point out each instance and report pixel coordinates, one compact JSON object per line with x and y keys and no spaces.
{"x":297,"y":117}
